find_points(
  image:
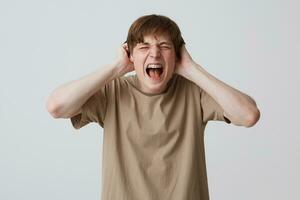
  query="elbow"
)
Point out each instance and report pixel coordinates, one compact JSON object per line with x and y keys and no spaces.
{"x":253,"y":118}
{"x":52,"y":108}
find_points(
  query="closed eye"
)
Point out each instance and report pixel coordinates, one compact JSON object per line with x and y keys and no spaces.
{"x":165,"y":47}
{"x":143,"y":47}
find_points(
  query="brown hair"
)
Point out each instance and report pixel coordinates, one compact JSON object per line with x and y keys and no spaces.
{"x":154,"y":24}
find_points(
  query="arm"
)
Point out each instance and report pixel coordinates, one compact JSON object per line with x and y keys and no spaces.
{"x":238,"y":107}
{"x":66,"y":100}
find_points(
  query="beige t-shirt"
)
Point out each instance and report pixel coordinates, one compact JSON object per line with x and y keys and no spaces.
{"x":153,"y":144}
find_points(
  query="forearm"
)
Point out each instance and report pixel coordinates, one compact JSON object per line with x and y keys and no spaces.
{"x":239,"y":107}
{"x":69,"y":97}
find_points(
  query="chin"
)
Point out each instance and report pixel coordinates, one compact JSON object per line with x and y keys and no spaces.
{"x":156,"y":86}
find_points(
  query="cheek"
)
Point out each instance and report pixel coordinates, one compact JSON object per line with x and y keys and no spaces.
{"x":137,"y":63}
{"x":171,"y":59}
{"x":138,"y":59}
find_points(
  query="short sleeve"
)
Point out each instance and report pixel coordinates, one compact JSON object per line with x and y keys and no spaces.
{"x":211,"y":110}
{"x":93,"y":110}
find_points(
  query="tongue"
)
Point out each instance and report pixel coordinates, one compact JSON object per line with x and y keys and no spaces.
{"x":154,"y":73}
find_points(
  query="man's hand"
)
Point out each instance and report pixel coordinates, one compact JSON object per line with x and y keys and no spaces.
{"x":186,"y":62}
{"x":123,"y":63}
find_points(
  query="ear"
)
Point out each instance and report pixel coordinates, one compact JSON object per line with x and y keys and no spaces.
{"x":131,"y":58}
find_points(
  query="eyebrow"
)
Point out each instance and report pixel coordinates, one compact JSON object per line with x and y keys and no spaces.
{"x":161,"y":43}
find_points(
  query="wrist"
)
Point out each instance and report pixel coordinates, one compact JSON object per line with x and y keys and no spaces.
{"x":117,"y":69}
{"x":187,"y":70}
{"x":191,"y":70}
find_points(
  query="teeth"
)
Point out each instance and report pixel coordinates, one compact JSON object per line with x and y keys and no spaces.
{"x":154,"y":66}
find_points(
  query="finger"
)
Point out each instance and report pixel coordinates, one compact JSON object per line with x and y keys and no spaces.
{"x":125,"y":46}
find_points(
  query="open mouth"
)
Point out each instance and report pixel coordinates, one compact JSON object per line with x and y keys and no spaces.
{"x":154,"y":71}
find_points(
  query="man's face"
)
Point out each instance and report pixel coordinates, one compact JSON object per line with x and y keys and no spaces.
{"x":154,"y":63}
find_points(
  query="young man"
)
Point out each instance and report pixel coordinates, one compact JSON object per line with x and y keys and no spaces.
{"x":153,"y":121}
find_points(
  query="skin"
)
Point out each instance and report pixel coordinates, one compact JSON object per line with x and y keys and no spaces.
{"x":238,"y":107}
{"x":154,"y":49}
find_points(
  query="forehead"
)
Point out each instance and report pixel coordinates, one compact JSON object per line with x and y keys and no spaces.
{"x":151,"y":38}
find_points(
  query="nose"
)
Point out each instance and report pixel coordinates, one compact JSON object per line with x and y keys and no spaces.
{"x":155,"y":51}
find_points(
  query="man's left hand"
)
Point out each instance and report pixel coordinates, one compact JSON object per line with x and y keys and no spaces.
{"x":186,"y":62}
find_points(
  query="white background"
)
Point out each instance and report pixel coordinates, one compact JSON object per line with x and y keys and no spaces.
{"x":251,"y":45}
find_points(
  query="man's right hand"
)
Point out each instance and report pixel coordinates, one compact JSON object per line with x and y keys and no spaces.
{"x":123,"y":63}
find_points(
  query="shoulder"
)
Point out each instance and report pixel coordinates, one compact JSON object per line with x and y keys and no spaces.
{"x":120,"y":82}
